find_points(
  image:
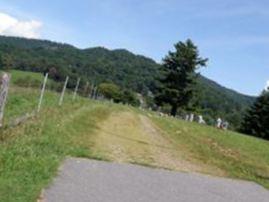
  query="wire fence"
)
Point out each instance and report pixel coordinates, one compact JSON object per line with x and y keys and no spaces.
{"x":15,"y":114}
{"x":88,"y":90}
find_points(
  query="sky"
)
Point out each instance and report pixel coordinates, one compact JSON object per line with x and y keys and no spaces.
{"x":234,"y":35}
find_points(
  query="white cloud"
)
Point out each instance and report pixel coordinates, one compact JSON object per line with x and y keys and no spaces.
{"x":11,"y":26}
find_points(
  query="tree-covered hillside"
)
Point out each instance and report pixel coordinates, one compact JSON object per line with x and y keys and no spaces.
{"x":127,"y":70}
{"x":94,"y":64}
{"x":215,"y":100}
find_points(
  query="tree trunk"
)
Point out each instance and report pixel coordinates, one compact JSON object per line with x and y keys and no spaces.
{"x":174,"y":110}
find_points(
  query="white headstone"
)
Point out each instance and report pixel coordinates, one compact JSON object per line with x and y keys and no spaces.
{"x":201,"y":119}
{"x":219,"y":122}
{"x":191,"y":117}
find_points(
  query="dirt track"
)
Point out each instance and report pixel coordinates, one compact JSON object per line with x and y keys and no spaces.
{"x":127,"y":137}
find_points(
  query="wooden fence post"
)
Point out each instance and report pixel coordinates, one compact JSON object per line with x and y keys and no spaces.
{"x":76,"y":90}
{"x":42,"y":92}
{"x":63,"y":91}
{"x":3,"y":95}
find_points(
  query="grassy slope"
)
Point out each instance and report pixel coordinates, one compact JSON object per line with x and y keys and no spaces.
{"x":237,"y":155}
{"x":16,"y":75}
{"x":31,"y":153}
{"x":21,"y":74}
{"x":23,"y":100}
{"x":127,"y":136}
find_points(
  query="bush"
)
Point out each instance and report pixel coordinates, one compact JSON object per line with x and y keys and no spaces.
{"x":110,"y":91}
{"x":130,"y":98}
{"x":118,"y":95}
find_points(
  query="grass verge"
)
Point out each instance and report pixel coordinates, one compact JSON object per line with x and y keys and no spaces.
{"x":31,"y":153}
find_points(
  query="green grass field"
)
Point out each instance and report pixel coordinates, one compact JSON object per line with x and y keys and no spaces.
{"x":16,"y":74}
{"x":236,"y":155}
{"x":28,"y":78}
{"x":23,"y":98}
{"x":31,"y":153}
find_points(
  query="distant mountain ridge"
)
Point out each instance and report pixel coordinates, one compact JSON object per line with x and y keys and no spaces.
{"x":135,"y":72}
{"x":32,"y":43}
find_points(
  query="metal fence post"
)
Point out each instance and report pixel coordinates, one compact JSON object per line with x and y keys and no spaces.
{"x":42,"y":92}
{"x":63,"y":91}
{"x":76,"y":89}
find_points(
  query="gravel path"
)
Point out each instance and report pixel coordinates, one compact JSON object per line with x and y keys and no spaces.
{"x":82,"y":180}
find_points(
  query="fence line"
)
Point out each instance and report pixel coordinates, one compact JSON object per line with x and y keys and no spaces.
{"x":94,"y":94}
{"x":4,"y":86}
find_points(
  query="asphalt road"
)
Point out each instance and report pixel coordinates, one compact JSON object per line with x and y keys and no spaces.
{"x":82,"y":180}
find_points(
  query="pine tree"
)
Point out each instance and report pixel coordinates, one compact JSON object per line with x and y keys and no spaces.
{"x":256,"y":121}
{"x":176,"y":86}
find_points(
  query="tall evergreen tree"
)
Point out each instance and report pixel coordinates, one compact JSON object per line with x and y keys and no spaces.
{"x":178,"y":69}
{"x":256,"y":121}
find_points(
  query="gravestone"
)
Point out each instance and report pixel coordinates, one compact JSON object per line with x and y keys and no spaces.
{"x":201,"y":119}
{"x":225,"y":125}
{"x":219,"y":122}
{"x":191,"y":117}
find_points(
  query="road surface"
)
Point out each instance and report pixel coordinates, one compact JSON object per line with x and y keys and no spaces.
{"x":82,"y":180}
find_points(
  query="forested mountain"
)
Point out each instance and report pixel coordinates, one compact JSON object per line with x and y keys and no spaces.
{"x":129,"y":71}
{"x":216,"y":100}
{"x":94,"y":64}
